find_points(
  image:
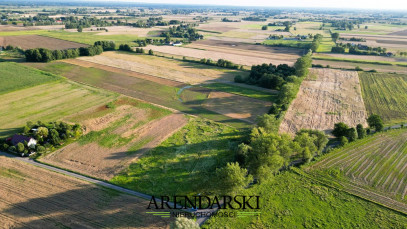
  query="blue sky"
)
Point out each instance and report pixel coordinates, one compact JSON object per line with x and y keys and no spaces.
{"x":361,"y":4}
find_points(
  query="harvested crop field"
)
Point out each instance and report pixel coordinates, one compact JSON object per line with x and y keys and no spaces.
{"x":326,"y":97}
{"x":46,"y":102}
{"x":276,"y":55}
{"x":35,"y":41}
{"x":164,"y":68}
{"x":378,"y":162}
{"x":115,"y":137}
{"x":242,"y":57}
{"x":386,"y":95}
{"x":33,"y":197}
{"x":235,"y":106}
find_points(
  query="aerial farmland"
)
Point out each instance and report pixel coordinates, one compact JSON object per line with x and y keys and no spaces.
{"x":138,"y":115}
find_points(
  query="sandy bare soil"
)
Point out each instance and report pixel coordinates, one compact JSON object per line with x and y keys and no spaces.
{"x":242,"y":57}
{"x":327,"y":97}
{"x":235,"y":106}
{"x":104,"y":163}
{"x":161,"y":67}
{"x":35,"y":41}
{"x":32,"y":197}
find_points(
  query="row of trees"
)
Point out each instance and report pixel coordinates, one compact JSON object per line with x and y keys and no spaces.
{"x":349,"y":134}
{"x":220,"y":63}
{"x":127,"y":48}
{"x":46,"y":55}
{"x":265,"y":153}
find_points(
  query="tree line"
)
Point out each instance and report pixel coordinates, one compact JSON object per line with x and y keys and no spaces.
{"x":263,"y":153}
{"x":46,"y":55}
{"x":346,"y":134}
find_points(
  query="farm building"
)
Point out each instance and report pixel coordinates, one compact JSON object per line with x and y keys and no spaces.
{"x":31,"y":142}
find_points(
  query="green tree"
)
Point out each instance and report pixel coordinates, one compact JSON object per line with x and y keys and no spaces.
{"x":340,"y":129}
{"x":231,"y":178}
{"x":361,"y":131}
{"x":80,"y":29}
{"x":344,"y":141}
{"x":335,"y":36}
{"x":320,"y":138}
{"x":268,"y":122}
{"x":264,"y":27}
{"x":352,"y":135}
{"x":20,"y":147}
{"x":303,"y":64}
{"x":150,"y":52}
{"x":376,"y":122}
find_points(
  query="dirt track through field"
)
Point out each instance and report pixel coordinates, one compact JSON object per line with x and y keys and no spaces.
{"x":334,"y":96}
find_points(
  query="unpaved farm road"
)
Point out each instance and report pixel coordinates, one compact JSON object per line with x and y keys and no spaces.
{"x":200,"y":220}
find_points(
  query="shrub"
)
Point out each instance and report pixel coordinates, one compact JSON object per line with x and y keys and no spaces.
{"x":239,"y":79}
{"x":344,"y":141}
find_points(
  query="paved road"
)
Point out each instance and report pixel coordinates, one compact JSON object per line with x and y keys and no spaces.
{"x":200,"y":221}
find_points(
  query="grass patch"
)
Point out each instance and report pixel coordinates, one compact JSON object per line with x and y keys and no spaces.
{"x":385,"y":94}
{"x":292,"y":201}
{"x":181,"y":164}
{"x":242,"y":91}
{"x":15,"y":76}
{"x":12,"y":173}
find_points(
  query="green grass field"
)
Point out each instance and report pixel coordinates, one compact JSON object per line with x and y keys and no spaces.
{"x":242,"y":91}
{"x":188,"y":101}
{"x":183,"y":163}
{"x":386,"y":95}
{"x":292,"y":201}
{"x":46,"y":102}
{"x":15,"y":76}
